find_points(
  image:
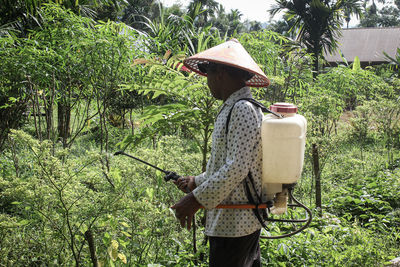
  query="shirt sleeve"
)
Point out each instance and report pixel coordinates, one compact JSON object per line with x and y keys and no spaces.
{"x":199,"y":179}
{"x":243,"y":135}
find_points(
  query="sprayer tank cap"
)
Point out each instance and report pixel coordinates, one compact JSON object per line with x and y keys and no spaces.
{"x":283,"y":108}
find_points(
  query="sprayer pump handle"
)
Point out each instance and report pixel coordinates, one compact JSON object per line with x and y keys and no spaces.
{"x":171,"y":176}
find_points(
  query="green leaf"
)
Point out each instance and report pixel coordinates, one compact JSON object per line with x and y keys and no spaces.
{"x":157,"y":94}
{"x":150,"y":192}
{"x":126,"y":234}
{"x":122,"y":257}
{"x":23,"y":222}
{"x":113,"y":250}
{"x":125,"y":224}
{"x":356,"y":64}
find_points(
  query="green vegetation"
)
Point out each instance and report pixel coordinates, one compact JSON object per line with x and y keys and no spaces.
{"x":75,"y":90}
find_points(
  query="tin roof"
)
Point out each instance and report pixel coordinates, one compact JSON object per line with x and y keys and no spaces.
{"x":367,"y":43}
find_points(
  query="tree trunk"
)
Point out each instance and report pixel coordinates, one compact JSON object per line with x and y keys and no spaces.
{"x":317,"y":175}
{"x":315,"y":65}
{"x":49,"y":118}
{"x":64,"y":118}
{"x":205,"y":149}
{"x":92,"y":248}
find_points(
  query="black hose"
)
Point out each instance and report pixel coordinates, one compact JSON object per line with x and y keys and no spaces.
{"x":140,"y":160}
{"x":307,"y":220}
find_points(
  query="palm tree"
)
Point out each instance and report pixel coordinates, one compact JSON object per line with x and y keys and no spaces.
{"x":283,"y":26}
{"x":19,"y":15}
{"x":317,"y":23}
{"x":134,"y":11}
{"x":220,"y":19}
{"x":208,"y":8}
{"x":255,"y":25}
{"x":234,"y":22}
{"x":387,"y":16}
{"x":351,"y":7}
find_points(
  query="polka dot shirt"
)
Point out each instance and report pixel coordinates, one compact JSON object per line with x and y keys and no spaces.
{"x":232,"y":157}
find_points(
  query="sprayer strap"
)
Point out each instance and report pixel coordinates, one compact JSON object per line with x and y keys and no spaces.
{"x":249,"y":177}
{"x":255,"y":103}
{"x":252,"y":101}
{"x":250,"y":198}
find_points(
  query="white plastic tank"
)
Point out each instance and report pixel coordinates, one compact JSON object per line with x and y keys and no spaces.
{"x":283,"y":144}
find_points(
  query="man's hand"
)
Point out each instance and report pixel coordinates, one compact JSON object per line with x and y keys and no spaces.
{"x":186,"y":184}
{"x":185,"y":209}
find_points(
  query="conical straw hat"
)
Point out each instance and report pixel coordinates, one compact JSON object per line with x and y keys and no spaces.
{"x":230,"y":53}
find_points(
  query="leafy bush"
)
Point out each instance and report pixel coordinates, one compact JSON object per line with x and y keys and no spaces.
{"x":330,"y":241}
{"x":284,"y":62}
{"x":63,"y":206}
{"x":354,"y":86}
{"x":372,"y":201}
{"x":381,"y":119}
{"x":361,"y":124}
{"x":60,"y":208}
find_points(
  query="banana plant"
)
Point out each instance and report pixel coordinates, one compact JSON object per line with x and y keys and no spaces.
{"x":394,"y":61}
{"x":24,"y":15}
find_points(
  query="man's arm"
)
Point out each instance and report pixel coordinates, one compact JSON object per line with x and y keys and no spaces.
{"x":243,"y":135}
{"x":185,"y":208}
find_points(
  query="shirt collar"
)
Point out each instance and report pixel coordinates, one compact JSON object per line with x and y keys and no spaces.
{"x":244,"y":92}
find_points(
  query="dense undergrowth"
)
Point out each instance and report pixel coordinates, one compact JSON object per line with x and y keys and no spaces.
{"x":54,"y":200}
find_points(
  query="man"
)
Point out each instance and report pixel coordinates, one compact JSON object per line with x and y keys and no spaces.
{"x":235,"y":155}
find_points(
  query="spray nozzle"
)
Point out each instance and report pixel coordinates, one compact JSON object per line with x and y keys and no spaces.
{"x":171,"y":176}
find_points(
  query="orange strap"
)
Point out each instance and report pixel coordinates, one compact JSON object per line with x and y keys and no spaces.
{"x":240,"y":206}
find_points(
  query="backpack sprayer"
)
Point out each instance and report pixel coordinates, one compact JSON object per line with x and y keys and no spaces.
{"x":283,"y":134}
{"x":283,"y":138}
{"x":283,"y":142}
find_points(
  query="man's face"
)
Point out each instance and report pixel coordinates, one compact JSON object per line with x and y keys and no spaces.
{"x":213,"y":84}
{"x":213,"y":79}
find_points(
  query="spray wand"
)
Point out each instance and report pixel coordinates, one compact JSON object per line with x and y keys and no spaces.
{"x":174,"y":176}
{"x":168,"y":174}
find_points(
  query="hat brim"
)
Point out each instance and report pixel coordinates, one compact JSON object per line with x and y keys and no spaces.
{"x":232,"y":54}
{"x":256,"y":81}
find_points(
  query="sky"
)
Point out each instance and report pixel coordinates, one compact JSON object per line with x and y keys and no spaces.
{"x":251,"y":9}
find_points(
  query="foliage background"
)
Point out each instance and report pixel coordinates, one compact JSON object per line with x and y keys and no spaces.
{"x":75,"y":89}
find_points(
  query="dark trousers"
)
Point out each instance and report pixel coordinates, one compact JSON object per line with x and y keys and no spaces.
{"x":241,"y":251}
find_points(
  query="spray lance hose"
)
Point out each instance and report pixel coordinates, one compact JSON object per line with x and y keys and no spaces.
{"x":168,"y":174}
